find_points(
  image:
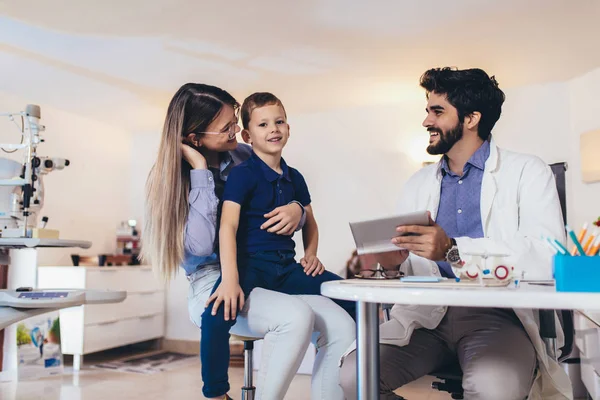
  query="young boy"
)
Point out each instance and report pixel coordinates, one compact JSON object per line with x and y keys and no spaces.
{"x":251,"y":256}
{"x":262,"y":258}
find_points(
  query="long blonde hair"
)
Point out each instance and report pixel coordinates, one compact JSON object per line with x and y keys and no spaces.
{"x":191,"y":110}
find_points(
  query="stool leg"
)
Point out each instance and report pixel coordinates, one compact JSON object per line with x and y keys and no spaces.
{"x":248,"y":389}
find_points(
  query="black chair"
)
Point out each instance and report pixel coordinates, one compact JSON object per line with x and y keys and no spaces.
{"x":451,"y":377}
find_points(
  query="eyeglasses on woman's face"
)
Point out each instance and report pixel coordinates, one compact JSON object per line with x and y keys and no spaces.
{"x":231,"y":131}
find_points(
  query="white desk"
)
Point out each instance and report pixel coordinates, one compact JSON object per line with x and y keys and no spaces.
{"x":368,"y":295}
{"x":18,"y":268}
{"x":14,"y":309}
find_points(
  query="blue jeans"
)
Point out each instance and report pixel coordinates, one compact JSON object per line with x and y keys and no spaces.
{"x":273,"y":270}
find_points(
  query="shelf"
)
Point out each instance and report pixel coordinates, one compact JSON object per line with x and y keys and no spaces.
{"x":19,"y":243}
{"x":13,"y":182}
{"x":11,"y":146}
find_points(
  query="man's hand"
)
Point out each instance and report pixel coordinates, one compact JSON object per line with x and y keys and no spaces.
{"x":431,"y":243}
{"x":283,"y":220}
{"x":312,"y":265}
{"x":389,"y":260}
{"x":228,"y":293}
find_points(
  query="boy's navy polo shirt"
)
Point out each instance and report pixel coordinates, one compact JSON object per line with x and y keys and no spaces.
{"x":258,"y":189}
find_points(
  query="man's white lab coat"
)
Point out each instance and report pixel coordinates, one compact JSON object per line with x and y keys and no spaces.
{"x":519,"y":205}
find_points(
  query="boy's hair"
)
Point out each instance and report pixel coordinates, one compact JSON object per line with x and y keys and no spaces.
{"x":256,"y":100}
{"x":468,"y":90}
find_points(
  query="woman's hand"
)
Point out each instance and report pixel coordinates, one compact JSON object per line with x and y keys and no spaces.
{"x":193,"y":157}
{"x":228,"y":293}
{"x":283,"y":220}
{"x":312,"y":265}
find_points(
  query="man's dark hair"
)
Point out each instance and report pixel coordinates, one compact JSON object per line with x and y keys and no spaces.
{"x":468,"y":90}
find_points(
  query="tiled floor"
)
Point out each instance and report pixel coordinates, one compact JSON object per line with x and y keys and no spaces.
{"x":183,"y":383}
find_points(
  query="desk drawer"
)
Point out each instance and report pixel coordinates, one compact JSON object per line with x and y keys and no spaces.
{"x":587,"y":339}
{"x":590,"y":379}
{"x":136,"y":304}
{"x":130,"y":279}
{"x":107,"y":335}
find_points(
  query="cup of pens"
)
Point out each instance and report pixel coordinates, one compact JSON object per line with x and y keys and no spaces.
{"x":577,"y":270}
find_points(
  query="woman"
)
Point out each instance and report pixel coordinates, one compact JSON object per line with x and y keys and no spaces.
{"x":198,"y":148}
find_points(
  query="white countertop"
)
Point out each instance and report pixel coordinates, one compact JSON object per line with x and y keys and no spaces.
{"x":106,"y":268}
{"x":526,"y":296}
{"x":33,"y":242}
{"x":14,"y":309}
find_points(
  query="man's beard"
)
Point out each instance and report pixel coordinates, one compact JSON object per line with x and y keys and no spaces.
{"x":445,"y":140}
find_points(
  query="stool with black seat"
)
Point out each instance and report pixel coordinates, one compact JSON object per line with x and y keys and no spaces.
{"x":248,"y":390}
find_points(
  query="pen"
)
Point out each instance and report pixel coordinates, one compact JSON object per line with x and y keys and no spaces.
{"x":563,"y":250}
{"x":556,"y":246}
{"x":550,"y":244}
{"x":582,"y":233}
{"x":589,"y":241}
{"x":595,"y":248}
{"x":574,"y":239}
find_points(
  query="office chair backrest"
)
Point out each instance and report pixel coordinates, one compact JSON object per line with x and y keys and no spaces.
{"x":565,"y":316}
{"x":559,"y":171}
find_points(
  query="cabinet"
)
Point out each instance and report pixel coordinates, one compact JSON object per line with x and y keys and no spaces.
{"x":91,"y":328}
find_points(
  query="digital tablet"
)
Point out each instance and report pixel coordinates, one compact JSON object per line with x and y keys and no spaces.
{"x":375,"y":236}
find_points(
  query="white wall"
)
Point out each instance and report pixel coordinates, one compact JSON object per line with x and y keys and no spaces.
{"x":355,"y":162}
{"x":548,"y":120}
{"x":144,"y":147}
{"x":535,"y":120}
{"x":87,"y":199}
{"x":584,"y":113}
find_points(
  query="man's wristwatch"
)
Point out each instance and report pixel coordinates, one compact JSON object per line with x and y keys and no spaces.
{"x":452,"y":255}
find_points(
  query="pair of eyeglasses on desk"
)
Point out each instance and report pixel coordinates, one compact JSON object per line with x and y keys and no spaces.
{"x":379,"y":273}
